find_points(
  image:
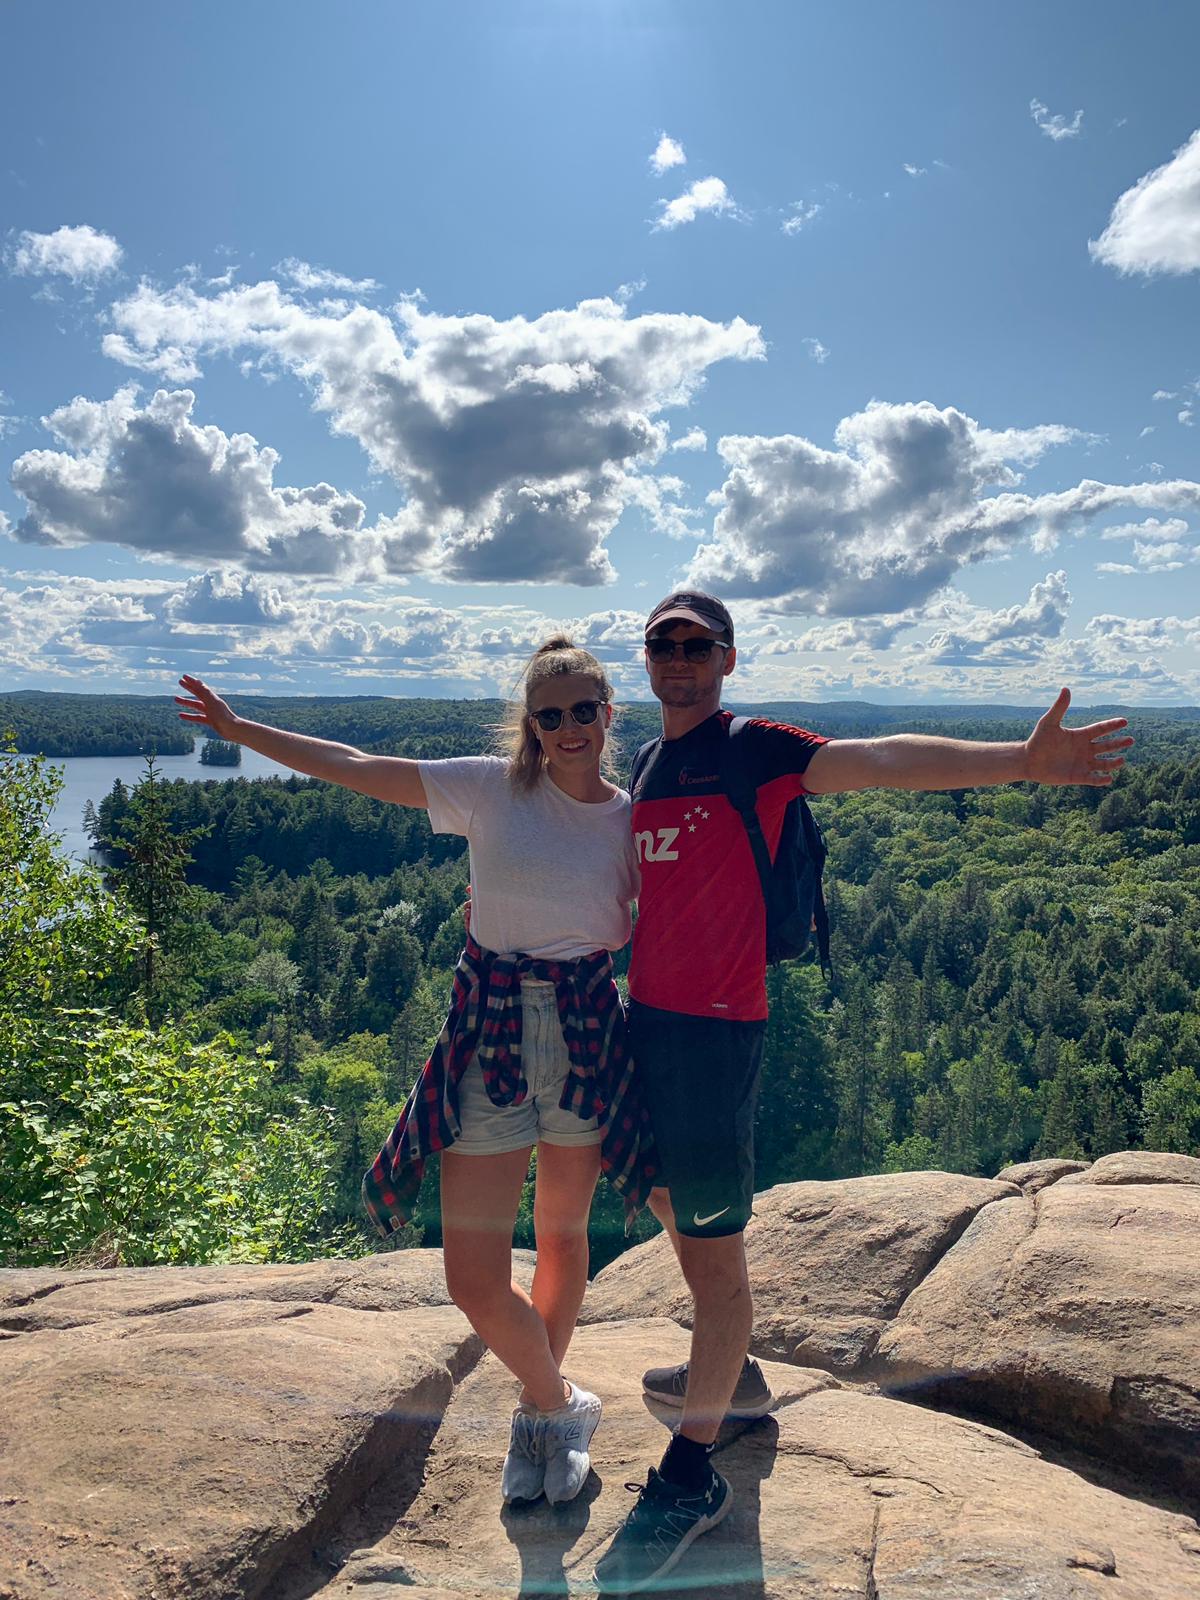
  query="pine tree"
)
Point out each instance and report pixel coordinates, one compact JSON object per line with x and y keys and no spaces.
{"x":412,"y":1035}
{"x":1171,"y":1112}
{"x":796,"y":1107}
{"x":1063,"y":1121}
{"x":153,"y":872}
{"x":1107,"y":1108}
{"x":857,"y":1077}
{"x":249,"y":885}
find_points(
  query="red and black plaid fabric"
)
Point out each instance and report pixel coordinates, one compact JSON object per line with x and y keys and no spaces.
{"x":485,"y":1020}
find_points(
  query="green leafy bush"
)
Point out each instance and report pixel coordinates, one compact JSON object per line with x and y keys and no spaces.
{"x":121,"y":1143}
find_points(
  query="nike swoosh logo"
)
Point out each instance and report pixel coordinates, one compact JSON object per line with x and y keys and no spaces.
{"x":703,"y":1222}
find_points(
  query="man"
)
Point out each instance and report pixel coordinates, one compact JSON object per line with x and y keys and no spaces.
{"x":698,"y":1006}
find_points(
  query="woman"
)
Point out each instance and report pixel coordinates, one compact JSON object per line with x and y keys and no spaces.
{"x":532,"y":1052}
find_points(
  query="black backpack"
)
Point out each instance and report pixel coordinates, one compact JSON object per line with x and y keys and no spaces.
{"x":797,"y":921}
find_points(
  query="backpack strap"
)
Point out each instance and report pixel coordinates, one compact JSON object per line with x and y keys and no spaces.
{"x":743,"y":796}
{"x":640,"y":763}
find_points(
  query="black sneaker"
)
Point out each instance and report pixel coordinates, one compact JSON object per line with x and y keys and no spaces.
{"x":751,"y":1398}
{"x":665,"y":1520}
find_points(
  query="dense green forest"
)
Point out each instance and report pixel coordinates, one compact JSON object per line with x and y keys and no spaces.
{"x":199,"y":1063}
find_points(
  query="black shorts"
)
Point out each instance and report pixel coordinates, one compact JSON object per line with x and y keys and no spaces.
{"x":700,"y":1078}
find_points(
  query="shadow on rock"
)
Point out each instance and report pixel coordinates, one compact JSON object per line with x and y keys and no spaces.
{"x":543,"y":1534}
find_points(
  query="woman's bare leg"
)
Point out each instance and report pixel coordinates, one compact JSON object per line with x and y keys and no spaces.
{"x":480,"y":1196}
{"x":660,"y":1204}
{"x":566,"y":1182}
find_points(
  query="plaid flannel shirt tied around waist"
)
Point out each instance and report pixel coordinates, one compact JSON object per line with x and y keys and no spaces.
{"x":485,"y":1020}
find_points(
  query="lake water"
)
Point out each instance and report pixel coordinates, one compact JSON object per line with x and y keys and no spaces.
{"x":91,"y":778}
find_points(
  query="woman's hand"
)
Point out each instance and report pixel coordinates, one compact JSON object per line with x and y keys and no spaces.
{"x":207,"y":708}
{"x":392,"y":778}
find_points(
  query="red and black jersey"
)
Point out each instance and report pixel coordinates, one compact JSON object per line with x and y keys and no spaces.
{"x":699,"y":946}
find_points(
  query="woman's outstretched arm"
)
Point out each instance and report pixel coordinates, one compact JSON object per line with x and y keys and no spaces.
{"x":383,"y":777}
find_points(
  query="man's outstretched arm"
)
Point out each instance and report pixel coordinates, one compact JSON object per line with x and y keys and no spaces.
{"x":1051,"y":754}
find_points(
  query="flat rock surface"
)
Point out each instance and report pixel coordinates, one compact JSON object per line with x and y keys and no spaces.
{"x":39,"y":1298}
{"x":830,"y":1263}
{"x":839,"y":1495}
{"x":1075,"y":1311}
{"x":195,"y":1452}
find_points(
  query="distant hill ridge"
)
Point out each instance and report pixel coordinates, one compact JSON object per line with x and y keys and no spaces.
{"x":61,"y":724}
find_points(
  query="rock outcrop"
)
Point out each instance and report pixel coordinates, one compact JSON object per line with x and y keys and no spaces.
{"x":838,"y":1495}
{"x":1066,"y":1300}
{"x":830,"y":1263}
{"x":196,"y":1452}
{"x":336,"y":1429}
{"x":43,"y":1298}
{"x":1075,"y":1310}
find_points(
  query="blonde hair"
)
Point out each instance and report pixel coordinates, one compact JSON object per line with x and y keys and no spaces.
{"x":559,"y":657}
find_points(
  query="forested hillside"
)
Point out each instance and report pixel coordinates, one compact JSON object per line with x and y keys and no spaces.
{"x":1016,"y":970}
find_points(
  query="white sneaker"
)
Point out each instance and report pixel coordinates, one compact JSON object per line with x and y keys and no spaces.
{"x":566,"y":1434}
{"x":524,"y":1465}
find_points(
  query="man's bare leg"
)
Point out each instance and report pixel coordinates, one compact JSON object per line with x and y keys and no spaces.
{"x":715,"y":1270}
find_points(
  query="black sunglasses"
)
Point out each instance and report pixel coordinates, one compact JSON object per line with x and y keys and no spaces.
{"x":581,"y":714}
{"x":697,"y":650}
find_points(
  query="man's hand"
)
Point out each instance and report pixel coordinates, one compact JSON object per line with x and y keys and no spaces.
{"x":206,"y":707}
{"x":1055,"y":754}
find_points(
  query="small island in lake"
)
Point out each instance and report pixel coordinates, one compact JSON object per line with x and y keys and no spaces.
{"x":220,"y":753}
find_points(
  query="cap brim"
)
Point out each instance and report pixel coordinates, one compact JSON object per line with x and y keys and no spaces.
{"x":683,"y":614}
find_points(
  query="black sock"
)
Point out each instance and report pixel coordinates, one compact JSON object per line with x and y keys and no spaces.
{"x":685,"y":1462}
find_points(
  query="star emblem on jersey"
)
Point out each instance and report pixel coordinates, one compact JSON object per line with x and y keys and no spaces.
{"x":661,"y":844}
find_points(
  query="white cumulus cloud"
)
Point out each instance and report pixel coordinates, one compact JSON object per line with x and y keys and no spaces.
{"x":667,"y":153}
{"x":82,"y":254}
{"x":706,"y":194}
{"x":693,"y":439}
{"x":1011,"y":633}
{"x":1149,"y":529}
{"x":518,"y":443}
{"x":817,"y":351}
{"x":1155,"y":226}
{"x":152,"y":480}
{"x":909,"y":495}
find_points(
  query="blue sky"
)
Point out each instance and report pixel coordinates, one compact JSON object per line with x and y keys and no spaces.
{"x":349,"y":350}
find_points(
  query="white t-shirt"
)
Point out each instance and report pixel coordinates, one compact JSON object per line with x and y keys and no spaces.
{"x":551,"y":876}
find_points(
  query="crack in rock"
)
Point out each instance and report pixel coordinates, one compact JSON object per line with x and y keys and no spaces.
{"x":330,"y":1540}
{"x":802,"y":1452}
{"x":954,"y":1233}
{"x":872,"y":1589}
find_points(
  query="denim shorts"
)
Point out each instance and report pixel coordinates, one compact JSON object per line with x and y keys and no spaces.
{"x":491,"y":1130}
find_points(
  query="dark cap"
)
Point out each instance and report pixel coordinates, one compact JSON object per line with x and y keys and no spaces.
{"x":689,"y":605}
